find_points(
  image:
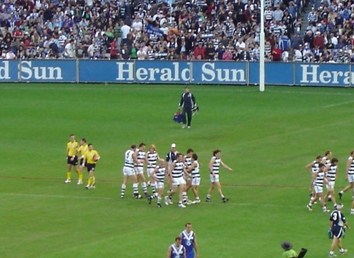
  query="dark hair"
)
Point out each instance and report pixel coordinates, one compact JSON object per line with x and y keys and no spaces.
{"x":179,"y":154}
{"x":188,"y":223}
{"x":334,"y":160}
{"x":90,"y":144}
{"x":327,"y":152}
{"x":178,"y":238}
{"x":189,"y":150}
{"x":319,"y":157}
{"x":133,"y":146}
{"x":142,"y":144}
{"x":216,"y":151}
{"x":321,"y":165}
{"x":72,"y":135}
{"x":195,"y":156}
{"x":83,"y":139}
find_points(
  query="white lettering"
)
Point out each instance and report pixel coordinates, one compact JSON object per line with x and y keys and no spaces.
{"x":336,"y":74}
{"x":39,"y":73}
{"x":166,"y":74}
{"x":306,"y":73}
{"x":186,"y":74}
{"x":5,"y":71}
{"x":121,"y":71}
{"x":325,"y":77}
{"x":208,"y":69}
{"x":209,"y":73}
{"x":141,"y":74}
{"x":176,"y":66}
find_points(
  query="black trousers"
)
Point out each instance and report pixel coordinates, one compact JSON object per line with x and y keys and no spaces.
{"x":187,"y":112}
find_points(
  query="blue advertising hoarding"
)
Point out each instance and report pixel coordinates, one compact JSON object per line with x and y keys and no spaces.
{"x":198,"y":72}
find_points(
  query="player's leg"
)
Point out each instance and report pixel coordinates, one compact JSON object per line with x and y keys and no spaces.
{"x":81,"y":168}
{"x":195,"y":184}
{"x":187,"y":187}
{"x":181,"y":195}
{"x":160,"y":188}
{"x":134,"y":179}
{"x":352,"y":207}
{"x":68,"y":171}
{"x":218,"y":185}
{"x":322,"y":200}
{"x":168,"y":197}
{"x":141,"y":178}
{"x":124,"y":183}
{"x":183,"y":114}
{"x":90,"y":177}
{"x":312,"y":200}
{"x":211,"y":188}
{"x":333,"y":246}
{"x":349,"y":186}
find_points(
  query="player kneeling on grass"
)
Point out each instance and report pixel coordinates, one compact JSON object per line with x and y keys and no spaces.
{"x":194,"y":170}
{"x":91,"y":158}
{"x":318,"y":179}
{"x":337,"y":222}
{"x":158,"y":175}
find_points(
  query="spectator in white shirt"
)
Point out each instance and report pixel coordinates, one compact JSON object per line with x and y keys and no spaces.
{"x":141,"y":54}
{"x":69,"y":49}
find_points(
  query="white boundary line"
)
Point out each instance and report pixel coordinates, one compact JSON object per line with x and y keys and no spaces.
{"x":339,"y":104}
{"x":118,"y":199}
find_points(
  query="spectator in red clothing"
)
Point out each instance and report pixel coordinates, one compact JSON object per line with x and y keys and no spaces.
{"x":318,"y":40}
{"x":199,"y":52}
{"x":227,"y":56}
{"x":113,"y":49}
{"x":276,"y":53}
{"x":17,"y":33}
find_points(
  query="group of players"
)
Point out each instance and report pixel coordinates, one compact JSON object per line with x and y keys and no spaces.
{"x":80,"y":157}
{"x":180,"y":172}
{"x":185,"y":245}
{"x":323,"y":170}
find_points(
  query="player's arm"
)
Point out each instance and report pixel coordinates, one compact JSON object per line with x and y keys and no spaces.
{"x":193,"y":100}
{"x":159,"y":159}
{"x":153,"y":173}
{"x":196,"y":246}
{"x":135,"y":157}
{"x":184,"y":252}
{"x":189,"y":169}
{"x":225,"y":166}
{"x":211,"y":162}
{"x":314,"y":175}
{"x":308,"y":167}
{"x":180,"y":102}
{"x":98,"y":156}
{"x":345,"y":221}
{"x":349,"y":162}
{"x":172,"y":168}
{"x":168,"y":252}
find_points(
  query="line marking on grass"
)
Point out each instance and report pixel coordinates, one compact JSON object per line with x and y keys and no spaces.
{"x":339,"y":104}
{"x":132,"y":199}
{"x":117,"y":181}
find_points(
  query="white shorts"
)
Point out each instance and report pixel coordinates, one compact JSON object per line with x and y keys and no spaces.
{"x":330,"y":185}
{"x":128,"y":171}
{"x":178,"y":181}
{"x":159,"y":185}
{"x":139,"y":170}
{"x":149,"y":171}
{"x":351,"y":178}
{"x":318,"y":189}
{"x":196,"y":181}
{"x":214,"y":178}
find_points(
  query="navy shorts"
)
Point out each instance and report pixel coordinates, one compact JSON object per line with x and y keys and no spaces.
{"x":90,"y":167}
{"x":71,"y":162}
{"x":81,"y":162}
{"x":338,"y":231}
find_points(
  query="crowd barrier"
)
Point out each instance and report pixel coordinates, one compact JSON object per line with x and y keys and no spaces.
{"x":196,"y":72}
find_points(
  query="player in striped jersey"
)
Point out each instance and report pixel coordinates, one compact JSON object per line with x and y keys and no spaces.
{"x":327,"y":161}
{"x":337,"y":222}
{"x":129,"y":172}
{"x":151,"y":159}
{"x":176,"y":250}
{"x":187,"y":175}
{"x":318,"y":179}
{"x":331,"y":175}
{"x":159,"y":174}
{"x":194,"y":170}
{"x":312,"y":167}
{"x":177,"y":169}
{"x":214,"y":165}
{"x":349,"y":175}
{"x":140,"y":156}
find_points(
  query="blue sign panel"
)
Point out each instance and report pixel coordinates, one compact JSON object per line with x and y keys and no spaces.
{"x":48,"y":71}
{"x":323,"y":74}
{"x":162,"y":72}
{"x":276,"y":73}
{"x":106,"y":71}
{"x":224,"y":72}
{"x":9,"y":70}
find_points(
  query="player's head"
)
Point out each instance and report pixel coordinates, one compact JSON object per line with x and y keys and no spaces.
{"x":190,"y":152}
{"x":321,"y":166}
{"x":339,"y":206}
{"x":352,"y":153}
{"x":179,"y":156}
{"x":142,"y":146}
{"x":83,"y":141}
{"x":217,"y":153}
{"x":328,"y":153}
{"x":152,"y":147}
{"x":178,"y":240}
{"x":195,"y":156}
{"x":334,"y":161}
{"x":188,"y":226}
{"x":186,"y":88}
{"x":90,"y":146}
{"x":133,"y":147}
{"x":72,"y":137}
{"x":286,"y":245}
{"x":318,"y":157}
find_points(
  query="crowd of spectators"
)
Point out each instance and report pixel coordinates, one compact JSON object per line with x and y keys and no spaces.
{"x":187,"y":30}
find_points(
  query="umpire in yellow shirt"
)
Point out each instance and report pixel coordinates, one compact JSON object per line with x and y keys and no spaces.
{"x":71,"y":152}
{"x":188,"y":103}
{"x":91,"y":158}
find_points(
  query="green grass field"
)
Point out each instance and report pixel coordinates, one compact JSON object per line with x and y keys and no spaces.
{"x":267,"y":138}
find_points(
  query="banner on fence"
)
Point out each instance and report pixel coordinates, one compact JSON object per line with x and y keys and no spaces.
{"x":199,"y":72}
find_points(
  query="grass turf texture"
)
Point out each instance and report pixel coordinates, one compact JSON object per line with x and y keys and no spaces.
{"x":267,"y":138}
